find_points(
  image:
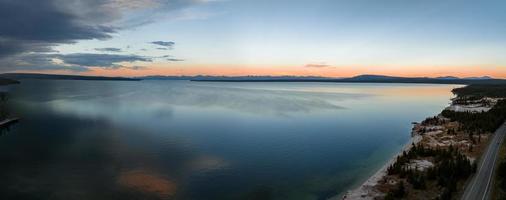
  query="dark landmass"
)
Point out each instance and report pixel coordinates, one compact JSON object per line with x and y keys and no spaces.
{"x":482,"y":90}
{"x":20,"y":76}
{"x":356,"y":79}
{"x":6,"y":81}
{"x":160,"y":77}
{"x":236,"y":78}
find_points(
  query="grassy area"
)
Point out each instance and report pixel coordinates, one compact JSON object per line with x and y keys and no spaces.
{"x":498,"y":191}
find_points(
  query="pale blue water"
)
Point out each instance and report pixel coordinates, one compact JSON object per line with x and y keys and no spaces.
{"x":202,"y":140}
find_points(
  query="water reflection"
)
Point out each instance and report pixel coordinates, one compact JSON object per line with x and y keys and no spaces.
{"x":148,"y":182}
{"x":160,"y":100}
{"x":185,"y":140}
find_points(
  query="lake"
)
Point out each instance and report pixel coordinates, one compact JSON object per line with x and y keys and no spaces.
{"x":204,"y":140}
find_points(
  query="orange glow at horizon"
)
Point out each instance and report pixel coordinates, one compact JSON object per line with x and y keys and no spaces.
{"x":332,"y":71}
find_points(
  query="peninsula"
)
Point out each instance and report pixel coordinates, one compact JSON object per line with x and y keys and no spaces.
{"x":450,"y":155}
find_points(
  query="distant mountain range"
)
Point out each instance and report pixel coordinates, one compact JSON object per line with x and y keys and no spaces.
{"x":237,"y":78}
{"x":361,"y":78}
{"x":468,"y":78}
{"x":367,"y":78}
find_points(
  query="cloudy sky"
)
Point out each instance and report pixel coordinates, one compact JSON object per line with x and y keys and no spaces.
{"x":258,"y":37}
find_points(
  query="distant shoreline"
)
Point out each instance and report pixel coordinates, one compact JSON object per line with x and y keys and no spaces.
{"x":21,"y":76}
{"x":351,"y":80}
{"x":201,"y":78}
{"x":6,"y":81}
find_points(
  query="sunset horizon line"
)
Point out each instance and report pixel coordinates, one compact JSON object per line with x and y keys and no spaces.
{"x":264,"y":75}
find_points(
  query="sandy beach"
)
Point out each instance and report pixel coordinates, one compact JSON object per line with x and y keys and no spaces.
{"x":366,"y":190}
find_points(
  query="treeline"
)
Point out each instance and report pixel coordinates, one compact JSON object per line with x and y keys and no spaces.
{"x":479,"y":91}
{"x":467,"y":100}
{"x":435,"y":121}
{"x":482,"y":121}
{"x":450,"y":166}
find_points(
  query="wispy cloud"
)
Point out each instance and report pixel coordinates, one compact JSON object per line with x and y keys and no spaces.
{"x":38,"y":62}
{"x":167,"y":44}
{"x":77,"y":62}
{"x":317,"y":65}
{"x":108,"y":49}
{"x":137,"y":67}
{"x":174,"y":59}
{"x":171,"y":58}
{"x":100,"y":60}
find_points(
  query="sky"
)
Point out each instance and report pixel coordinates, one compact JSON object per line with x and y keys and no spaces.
{"x":333,"y":38}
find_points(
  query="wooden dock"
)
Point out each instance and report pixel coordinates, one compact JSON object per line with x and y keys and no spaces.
{"x":8,"y":121}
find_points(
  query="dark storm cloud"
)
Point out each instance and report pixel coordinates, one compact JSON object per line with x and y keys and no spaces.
{"x":110,"y":49}
{"x":100,"y":60}
{"x":163,"y":43}
{"x":29,"y":27}
{"x":42,"y":20}
{"x":8,"y":47}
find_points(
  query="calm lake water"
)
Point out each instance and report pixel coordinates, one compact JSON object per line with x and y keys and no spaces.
{"x":200,"y":140}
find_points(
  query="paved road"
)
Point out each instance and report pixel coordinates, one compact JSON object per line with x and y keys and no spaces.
{"x":480,"y":185}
